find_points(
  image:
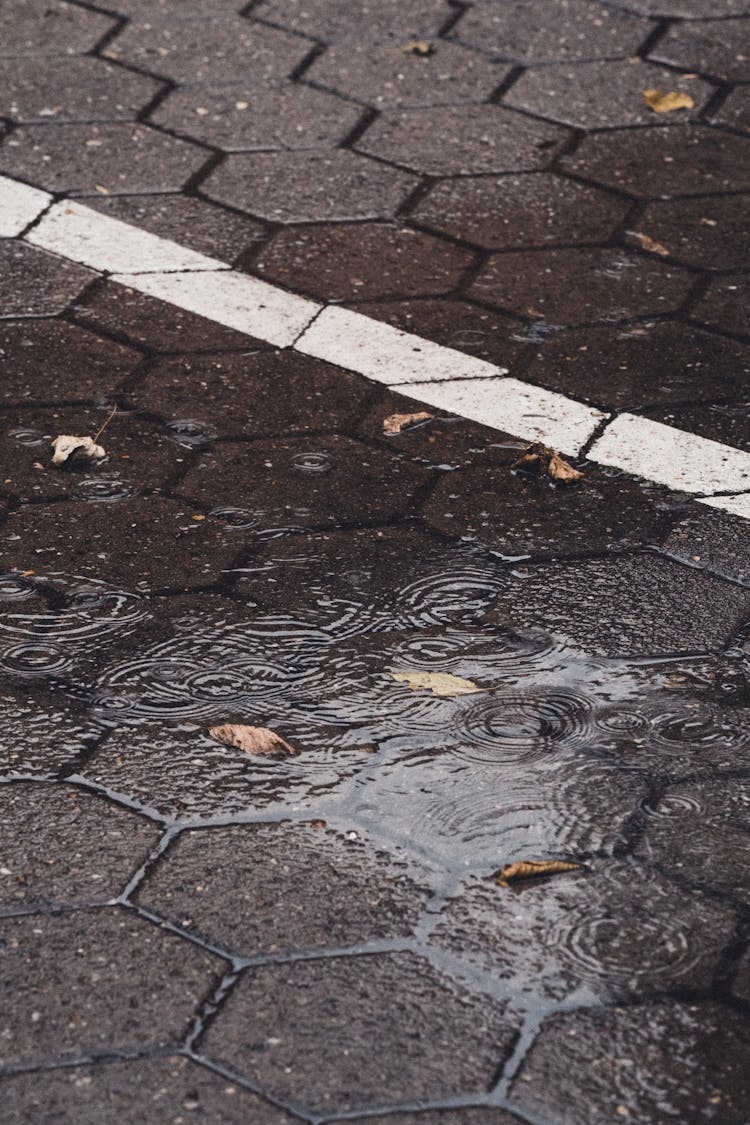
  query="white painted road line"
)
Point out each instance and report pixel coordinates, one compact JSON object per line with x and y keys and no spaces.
{"x":19,"y":206}
{"x":75,"y":231}
{"x":235,"y":300}
{"x":676,"y":458}
{"x":736,"y":505}
{"x":384,"y":353}
{"x":516,"y":408}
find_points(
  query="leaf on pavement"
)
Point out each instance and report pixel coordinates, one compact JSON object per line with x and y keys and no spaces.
{"x":647,"y":243}
{"x":253,"y":740}
{"x":439,"y":683}
{"x":397,"y":423}
{"x":532,"y":869}
{"x":420,"y":47}
{"x":70,"y":450}
{"x":665,"y":103}
{"x":544,"y":461}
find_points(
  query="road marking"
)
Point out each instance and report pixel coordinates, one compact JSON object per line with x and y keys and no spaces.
{"x":435,"y":375}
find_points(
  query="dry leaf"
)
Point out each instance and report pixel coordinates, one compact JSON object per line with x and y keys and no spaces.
{"x":665,"y":103}
{"x":396,"y":423}
{"x":439,"y":683}
{"x":70,"y":450}
{"x":647,"y":243}
{"x":532,"y":869}
{"x":541,"y":459}
{"x":421,"y":48}
{"x":253,"y":740}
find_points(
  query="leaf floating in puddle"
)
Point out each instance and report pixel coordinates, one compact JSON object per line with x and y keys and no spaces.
{"x":439,"y":683}
{"x":541,"y":459}
{"x":253,"y":740}
{"x":647,"y":243}
{"x":665,"y":103}
{"x":397,"y":423}
{"x":70,"y":450}
{"x":422,"y":48}
{"x":532,"y":869}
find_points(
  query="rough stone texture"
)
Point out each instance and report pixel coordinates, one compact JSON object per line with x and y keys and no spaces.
{"x":716,"y":47}
{"x":40,"y":735}
{"x":691,"y":9}
{"x":75,"y":89}
{"x":394,"y":1028}
{"x":481,"y":1115}
{"x":96,"y":981}
{"x":36,"y":283}
{"x":725,"y":305}
{"x":706,"y":233}
{"x":472,"y":139}
{"x":62,"y":845}
{"x":361,"y":19}
{"x":51,"y":27}
{"x":334,"y":262}
{"x":712,"y":539}
{"x":627,"y":607}
{"x":727,"y":422}
{"x":735,"y":110}
{"x":309,"y":186}
{"x":707,"y":1078}
{"x":269,"y":889}
{"x":741,"y":986}
{"x":136,"y":1092}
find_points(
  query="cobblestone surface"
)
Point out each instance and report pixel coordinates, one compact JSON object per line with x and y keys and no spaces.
{"x":190,"y":930}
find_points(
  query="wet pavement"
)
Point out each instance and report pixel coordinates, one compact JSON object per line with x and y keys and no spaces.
{"x":192,"y":932}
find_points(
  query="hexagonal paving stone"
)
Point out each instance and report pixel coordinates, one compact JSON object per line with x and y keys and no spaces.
{"x":741,"y":985}
{"x":59,"y":844}
{"x":689,"y":160}
{"x":135,"y":1090}
{"x":716,"y":47}
{"x":240,"y":117}
{"x":613,"y":932}
{"x":167,"y":11}
{"x":365,"y":260}
{"x":691,"y":9}
{"x":661,"y":362}
{"x":579,"y":30}
{"x":584,"y":1065}
{"x":511,"y":212}
{"x":273,"y":888}
{"x":169,"y":549}
{"x":453,"y":140}
{"x":386,"y":76}
{"x":359,"y":19}
{"x":725,"y":305}
{"x":78,"y":159}
{"x":192,"y":222}
{"x":518,"y":514}
{"x":625,"y":607}
{"x":306,"y":482}
{"x":74,"y":89}
{"x":697,"y":832}
{"x":600,"y":94}
{"x":36,"y":283}
{"x":708,"y":233}
{"x":736,"y":109}
{"x":291,"y":187}
{"x":41,"y":735}
{"x":97,"y":981}
{"x":51,"y":27}
{"x":575,"y":286}
{"x":51,"y":360}
{"x":211,"y":49}
{"x":254,"y":395}
{"x":391,"y":1027}
{"x":713,"y":539}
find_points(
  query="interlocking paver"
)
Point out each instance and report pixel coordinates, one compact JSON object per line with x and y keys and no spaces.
{"x":137,"y":1091}
{"x":736,"y":109}
{"x":472,"y":139}
{"x":483,"y":1115}
{"x":514,"y":212}
{"x":576,"y":286}
{"x":75,"y":89}
{"x":622,"y":1046}
{"x":276,"y":888}
{"x":242,"y":117}
{"x":360,"y":19}
{"x":725,"y":305}
{"x":43,"y":734}
{"x":52,"y":27}
{"x":596,"y":95}
{"x":36,"y":283}
{"x":656,"y":362}
{"x":741,"y":985}
{"x":215,"y":48}
{"x":51,"y":360}
{"x":440,"y":1039}
{"x":716,"y":47}
{"x":387,"y":76}
{"x":691,"y":9}
{"x":628,"y":607}
{"x":291,"y":187}
{"x":96,"y":981}
{"x":688,"y":160}
{"x":709,"y":233}
{"x":82,"y":158}
{"x":64,"y":846}
{"x":714,"y":540}
{"x":579,"y":30}
{"x":334,"y":262}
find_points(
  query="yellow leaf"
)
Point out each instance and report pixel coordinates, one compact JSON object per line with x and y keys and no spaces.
{"x":439,"y":683}
{"x":532,"y":869}
{"x":544,"y":461}
{"x":253,"y":740}
{"x":421,"y":48}
{"x":395,"y":423}
{"x":647,"y":243}
{"x":665,"y":103}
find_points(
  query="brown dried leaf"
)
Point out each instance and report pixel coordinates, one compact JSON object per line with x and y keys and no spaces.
{"x":68,"y":449}
{"x":647,"y":243}
{"x":421,"y":47}
{"x":253,"y":740}
{"x":439,"y":683}
{"x":541,"y":459}
{"x":396,"y":423}
{"x":532,"y":869}
{"x":665,"y":103}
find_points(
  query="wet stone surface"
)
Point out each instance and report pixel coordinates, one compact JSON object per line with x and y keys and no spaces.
{"x":36,"y":283}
